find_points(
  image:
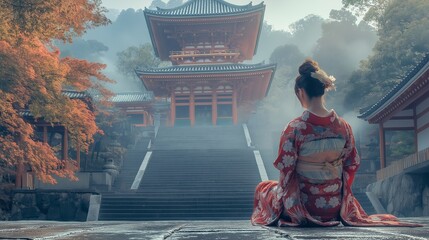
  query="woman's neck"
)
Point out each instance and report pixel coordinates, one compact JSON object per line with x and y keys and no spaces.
{"x":316,"y":106}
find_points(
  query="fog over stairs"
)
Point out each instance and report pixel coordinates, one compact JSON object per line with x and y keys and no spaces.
{"x":199,"y":173}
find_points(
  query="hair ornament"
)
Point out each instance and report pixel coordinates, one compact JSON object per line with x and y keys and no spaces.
{"x":328,"y":81}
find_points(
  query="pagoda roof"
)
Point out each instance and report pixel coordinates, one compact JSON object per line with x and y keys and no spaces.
{"x":152,"y":77}
{"x":72,"y":94}
{"x":397,"y":90}
{"x":199,"y":69}
{"x":205,"y":8}
{"x":128,"y":97}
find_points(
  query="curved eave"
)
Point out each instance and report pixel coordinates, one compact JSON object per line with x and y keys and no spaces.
{"x":370,"y":112}
{"x":163,"y":12}
{"x":195,"y":74}
{"x":252,"y":68}
{"x":274,"y":68}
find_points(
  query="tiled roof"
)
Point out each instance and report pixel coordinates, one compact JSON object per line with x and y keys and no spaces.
{"x":75,"y":94}
{"x":132,"y":97}
{"x":215,"y":68}
{"x":205,"y":8}
{"x":367,"y":111}
{"x":25,"y":113}
{"x":68,"y":93}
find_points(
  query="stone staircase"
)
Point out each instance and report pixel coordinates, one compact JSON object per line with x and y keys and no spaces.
{"x":200,"y":173}
{"x":365,"y":202}
{"x":130,"y":167}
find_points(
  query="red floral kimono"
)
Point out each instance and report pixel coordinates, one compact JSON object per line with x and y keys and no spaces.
{"x":315,"y":193}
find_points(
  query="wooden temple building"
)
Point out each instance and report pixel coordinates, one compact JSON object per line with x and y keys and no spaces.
{"x":403,"y":119}
{"x":206,"y":42}
{"x":137,"y":106}
{"x":54,"y":134}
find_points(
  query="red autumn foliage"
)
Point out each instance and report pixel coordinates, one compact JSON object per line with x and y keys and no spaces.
{"x":33,"y":76}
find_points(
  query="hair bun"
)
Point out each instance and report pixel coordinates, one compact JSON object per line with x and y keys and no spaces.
{"x":309,"y":66}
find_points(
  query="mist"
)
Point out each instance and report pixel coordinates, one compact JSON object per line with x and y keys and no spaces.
{"x":338,"y":43}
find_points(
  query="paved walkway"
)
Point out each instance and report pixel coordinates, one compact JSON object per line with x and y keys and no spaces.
{"x":197,"y":230}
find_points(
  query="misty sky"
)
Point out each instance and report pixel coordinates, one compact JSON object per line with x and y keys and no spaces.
{"x":279,"y":13}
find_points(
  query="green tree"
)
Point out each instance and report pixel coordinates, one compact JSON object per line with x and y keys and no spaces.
{"x":136,"y":57}
{"x":343,"y":44}
{"x":371,"y":10}
{"x":305,"y":32}
{"x":403,"y":31}
{"x":33,"y":76}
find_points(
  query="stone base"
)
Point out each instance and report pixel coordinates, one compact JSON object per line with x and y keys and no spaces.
{"x":50,"y":205}
{"x":207,"y":230}
{"x":405,"y":195}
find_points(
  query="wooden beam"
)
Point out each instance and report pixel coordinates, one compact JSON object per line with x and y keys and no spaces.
{"x":78,"y":156}
{"x":234,"y":107}
{"x":382,"y":144}
{"x":65,"y":145}
{"x":214,"y":108}
{"x":45,"y":134}
{"x":416,"y":139}
{"x":19,"y":175}
{"x":426,"y":110}
{"x":422,"y":128}
{"x":192,"y":108}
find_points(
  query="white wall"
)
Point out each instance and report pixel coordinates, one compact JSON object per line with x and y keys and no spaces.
{"x":423,"y":139}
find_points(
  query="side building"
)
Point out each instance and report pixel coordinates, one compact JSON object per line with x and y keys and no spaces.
{"x":403,"y":119}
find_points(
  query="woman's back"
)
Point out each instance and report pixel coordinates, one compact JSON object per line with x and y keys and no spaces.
{"x":317,"y":160}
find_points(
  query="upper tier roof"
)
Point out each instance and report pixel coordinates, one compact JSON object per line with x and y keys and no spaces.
{"x":205,"y":8}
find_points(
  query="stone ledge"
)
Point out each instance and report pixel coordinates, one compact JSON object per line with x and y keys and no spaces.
{"x":200,"y":230}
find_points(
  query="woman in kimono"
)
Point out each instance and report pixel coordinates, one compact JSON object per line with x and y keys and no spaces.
{"x":317,"y":160}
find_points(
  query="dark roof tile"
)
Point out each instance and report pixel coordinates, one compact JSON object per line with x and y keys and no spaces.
{"x":132,"y":97}
{"x":366,"y":111}
{"x":205,"y":8}
{"x":216,"y":68}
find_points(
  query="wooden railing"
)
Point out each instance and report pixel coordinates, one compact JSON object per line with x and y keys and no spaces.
{"x":402,"y":165}
{"x":204,"y":53}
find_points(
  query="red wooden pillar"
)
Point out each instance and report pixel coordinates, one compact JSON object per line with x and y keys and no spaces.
{"x":78,"y":156}
{"x":19,"y":171}
{"x":214,"y":108}
{"x":382,"y":146}
{"x":65,"y":146}
{"x":173,"y":109}
{"x":45,"y":134}
{"x":192,"y":108}
{"x":416,"y":139}
{"x":145,"y":115}
{"x":19,"y":175}
{"x":234,"y":107}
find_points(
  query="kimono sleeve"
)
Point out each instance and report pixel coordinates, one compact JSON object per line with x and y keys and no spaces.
{"x":287,"y":154}
{"x":352,"y":160}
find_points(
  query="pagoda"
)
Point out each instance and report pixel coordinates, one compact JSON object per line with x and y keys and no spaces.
{"x":206,"y":42}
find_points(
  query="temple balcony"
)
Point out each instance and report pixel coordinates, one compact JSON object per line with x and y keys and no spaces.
{"x":414,"y":163}
{"x":202,"y":56}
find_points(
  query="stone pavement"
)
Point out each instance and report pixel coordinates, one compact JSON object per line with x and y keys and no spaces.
{"x":198,"y":230}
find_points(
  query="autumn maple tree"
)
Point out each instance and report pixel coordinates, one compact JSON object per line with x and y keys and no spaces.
{"x":33,"y":76}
